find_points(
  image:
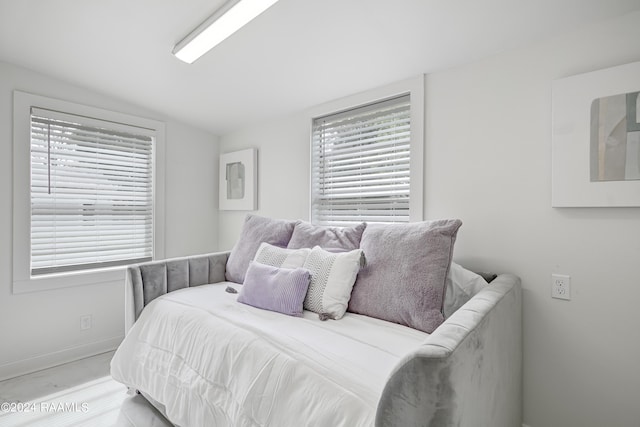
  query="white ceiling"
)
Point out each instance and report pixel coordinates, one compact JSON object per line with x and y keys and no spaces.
{"x":297,"y":54}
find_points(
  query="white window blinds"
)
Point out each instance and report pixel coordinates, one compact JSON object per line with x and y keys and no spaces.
{"x":360,"y":164}
{"x":91,"y":193}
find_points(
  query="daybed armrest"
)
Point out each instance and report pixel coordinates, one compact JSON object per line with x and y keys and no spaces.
{"x":467,"y":373}
{"x":147,"y":281}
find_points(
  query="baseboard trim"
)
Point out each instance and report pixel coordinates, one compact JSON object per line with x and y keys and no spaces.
{"x":44,"y":361}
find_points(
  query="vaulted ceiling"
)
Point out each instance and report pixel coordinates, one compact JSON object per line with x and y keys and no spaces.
{"x":297,"y":54}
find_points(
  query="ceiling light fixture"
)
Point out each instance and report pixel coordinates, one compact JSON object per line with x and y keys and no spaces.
{"x":232,"y":16}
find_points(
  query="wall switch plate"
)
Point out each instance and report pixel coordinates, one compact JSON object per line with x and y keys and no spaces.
{"x":561,"y":286}
{"x":85,"y":322}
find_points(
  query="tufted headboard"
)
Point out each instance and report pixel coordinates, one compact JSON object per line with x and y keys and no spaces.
{"x":160,"y":277}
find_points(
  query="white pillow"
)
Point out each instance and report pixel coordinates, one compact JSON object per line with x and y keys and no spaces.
{"x":462,"y":284}
{"x":281,"y":257}
{"x":332,"y":279}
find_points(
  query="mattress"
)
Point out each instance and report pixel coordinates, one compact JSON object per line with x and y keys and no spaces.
{"x":213,"y":361}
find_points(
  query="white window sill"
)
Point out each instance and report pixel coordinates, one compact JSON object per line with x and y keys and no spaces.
{"x":67,"y":280}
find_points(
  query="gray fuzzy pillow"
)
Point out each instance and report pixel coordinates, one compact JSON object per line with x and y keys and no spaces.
{"x":307,"y":235}
{"x":256,"y":229}
{"x":404,"y":279}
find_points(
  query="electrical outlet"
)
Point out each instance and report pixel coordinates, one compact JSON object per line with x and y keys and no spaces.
{"x":85,"y":322}
{"x":561,"y":286}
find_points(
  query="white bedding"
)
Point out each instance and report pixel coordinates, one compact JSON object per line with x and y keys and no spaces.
{"x":215,"y":362}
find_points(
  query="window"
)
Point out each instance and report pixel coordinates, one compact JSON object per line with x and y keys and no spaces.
{"x":88,"y":193}
{"x":91,"y":193}
{"x":361,"y":164}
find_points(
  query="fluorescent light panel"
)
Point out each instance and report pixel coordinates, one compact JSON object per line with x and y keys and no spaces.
{"x":232,"y":16}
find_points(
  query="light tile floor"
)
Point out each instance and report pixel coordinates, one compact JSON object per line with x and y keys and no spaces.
{"x":80,"y":393}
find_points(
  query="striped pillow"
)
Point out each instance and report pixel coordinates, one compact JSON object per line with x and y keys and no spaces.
{"x":332,"y":279}
{"x":276,"y":289}
{"x":281,"y":257}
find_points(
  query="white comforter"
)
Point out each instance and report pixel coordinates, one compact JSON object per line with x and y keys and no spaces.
{"x":215,"y":362}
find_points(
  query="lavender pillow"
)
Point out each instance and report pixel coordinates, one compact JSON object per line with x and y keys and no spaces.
{"x":404,"y":279}
{"x":334,"y":239}
{"x":256,"y":229}
{"x":276,"y":289}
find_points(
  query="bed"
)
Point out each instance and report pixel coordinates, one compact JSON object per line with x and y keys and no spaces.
{"x":206,"y":360}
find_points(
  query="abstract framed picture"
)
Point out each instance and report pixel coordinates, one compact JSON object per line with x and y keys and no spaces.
{"x":239,"y":180}
{"x":595,"y":158}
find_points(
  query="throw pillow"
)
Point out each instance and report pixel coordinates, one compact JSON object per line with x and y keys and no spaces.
{"x":256,"y":229}
{"x":276,"y":289}
{"x":332,"y":278}
{"x":462,"y":285}
{"x":281,"y":257}
{"x":404,"y":279}
{"x":333,"y":239}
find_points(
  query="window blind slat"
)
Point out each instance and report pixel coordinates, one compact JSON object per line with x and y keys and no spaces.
{"x":392,"y":143}
{"x":363,"y":154}
{"x":365,"y":177}
{"x":73,"y":120}
{"x":101,"y":144}
{"x":376,"y":133}
{"x":373,"y":110}
{"x":40,"y":171}
{"x":91,"y":193}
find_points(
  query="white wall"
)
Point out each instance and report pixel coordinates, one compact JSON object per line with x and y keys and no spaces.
{"x":43,"y":328}
{"x":488,"y":162}
{"x":283,"y":172}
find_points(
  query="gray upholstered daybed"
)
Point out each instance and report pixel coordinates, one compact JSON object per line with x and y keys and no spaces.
{"x":467,"y":372}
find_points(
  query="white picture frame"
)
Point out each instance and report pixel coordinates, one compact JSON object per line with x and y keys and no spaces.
{"x":239,"y":180}
{"x":572,"y":160}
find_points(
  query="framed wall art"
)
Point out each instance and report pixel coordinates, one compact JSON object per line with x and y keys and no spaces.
{"x":239,"y":180}
{"x":596,"y":139}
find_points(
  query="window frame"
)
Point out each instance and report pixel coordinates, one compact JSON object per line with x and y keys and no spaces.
{"x":415,"y":88}
{"x":23,"y":281}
